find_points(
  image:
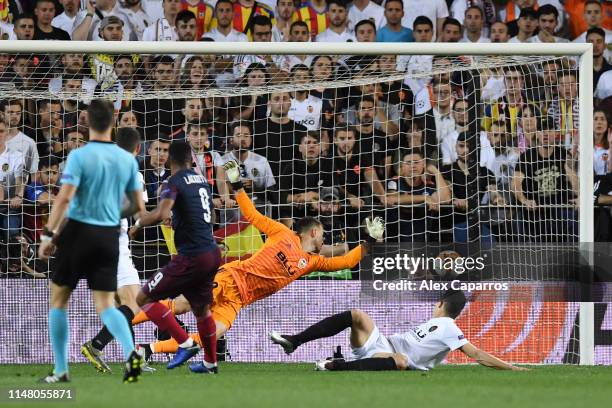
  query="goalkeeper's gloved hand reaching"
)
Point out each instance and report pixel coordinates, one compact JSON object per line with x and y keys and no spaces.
{"x":232,"y":172}
{"x":375,"y":227}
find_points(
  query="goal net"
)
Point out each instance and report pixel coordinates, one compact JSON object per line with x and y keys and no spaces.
{"x":479,"y":151}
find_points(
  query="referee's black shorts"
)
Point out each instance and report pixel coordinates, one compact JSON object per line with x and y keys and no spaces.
{"x":87,"y":251}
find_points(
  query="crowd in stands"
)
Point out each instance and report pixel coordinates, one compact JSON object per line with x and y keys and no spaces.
{"x":487,"y":155}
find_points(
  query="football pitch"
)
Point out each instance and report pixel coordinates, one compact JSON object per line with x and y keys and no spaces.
{"x":297,"y":385}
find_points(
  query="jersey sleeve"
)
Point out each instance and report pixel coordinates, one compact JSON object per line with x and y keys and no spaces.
{"x":169,"y":191}
{"x":336,"y":263}
{"x":259,"y":221}
{"x":73,"y":171}
{"x":135,"y":183}
{"x":454,"y":337}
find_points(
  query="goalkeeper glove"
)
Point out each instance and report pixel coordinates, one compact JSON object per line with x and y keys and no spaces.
{"x":232,"y":171}
{"x":375,"y":227}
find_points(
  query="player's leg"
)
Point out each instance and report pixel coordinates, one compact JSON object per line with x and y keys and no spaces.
{"x":359,"y":322}
{"x":177,"y":306}
{"x":208,"y":338}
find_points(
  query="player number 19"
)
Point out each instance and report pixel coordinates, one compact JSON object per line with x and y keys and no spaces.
{"x":205,"y":203}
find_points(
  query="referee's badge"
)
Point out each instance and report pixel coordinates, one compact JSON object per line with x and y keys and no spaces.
{"x":302,"y":263}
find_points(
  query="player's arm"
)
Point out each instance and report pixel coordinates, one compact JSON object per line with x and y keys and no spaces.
{"x":488,"y":360}
{"x":259,"y":221}
{"x":162,"y":212}
{"x":517,"y":189}
{"x":135,"y":204}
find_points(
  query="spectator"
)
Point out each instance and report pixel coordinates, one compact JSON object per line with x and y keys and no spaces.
{"x":441,"y":109}
{"x":314,"y":14}
{"x":365,"y":31}
{"x":24,"y":28}
{"x":193,"y":113}
{"x":509,"y":106}
{"x":365,"y":10}
{"x":285,"y":10}
{"x":164,"y":29}
{"x":550,"y":69}
{"x":417,"y":182}
{"x":86,"y":25}
{"x":394,"y":31}
{"x":202,"y":11}
{"x":545,"y":183}
{"x":127,"y":86}
{"x":604,"y":86}
{"x":596,"y":36}
{"x":256,"y":174}
{"x":435,"y":10}
{"x":72,"y":89}
{"x":564,"y":109}
{"x":513,"y":8}
{"x":160,"y":114}
{"x":261,"y":32}
{"x":528,"y":124}
{"x":196,"y":74}
{"x":451,"y":30}
{"x":499,"y":156}
{"x":578,"y":23}
{"x":276,"y":136}
{"x":45,"y":188}
{"x":136,"y":18}
{"x":15,"y":139}
{"x":73,"y":140}
{"x":474,"y":23}
{"x":462,"y":124}
{"x":187,"y":26}
{"x":44,"y":12}
{"x":527,"y":24}
{"x":413,"y":136}
{"x":338,"y":30}
{"x":12,"y":184}
{"x":154,"y":169}
{"x":499,"y":33}
{"x":340,"y":228}
{"x":548,"y":18}
{"x":49,"y":129}
{"x":353,"y":171}
{"x":127,"y":119}
{"x":470,"y":184}
{"x":593,"y":17}
{"x":249,"y":10}
{"x":459,"y":7}
{"x":298,"y":32}
{"x":602,"y":142}
{"x":65,"y":21}
{"x":305,"y":108}
{"x":224,"y":31}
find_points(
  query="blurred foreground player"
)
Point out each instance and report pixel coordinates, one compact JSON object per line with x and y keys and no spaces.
{"x":421,"y":348}
{"x":186,"y":197}
{"x":128,"y":282}
{"x":95,"y":181}
{"x":285,"y":256}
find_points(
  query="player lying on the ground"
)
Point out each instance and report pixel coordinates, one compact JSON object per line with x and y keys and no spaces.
{"x":128,"y":282}
{"x":285,"y":256}
{"x":188,"y":197}
{"x":421,"y":348}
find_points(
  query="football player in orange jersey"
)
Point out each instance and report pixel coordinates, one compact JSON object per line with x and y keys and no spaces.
{"x":285,"y":256}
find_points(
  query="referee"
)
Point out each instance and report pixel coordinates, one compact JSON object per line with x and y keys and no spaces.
{"x":95,"y":181}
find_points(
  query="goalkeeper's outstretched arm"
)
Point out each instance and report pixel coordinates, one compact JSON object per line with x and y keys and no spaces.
{"x":488,"y":360}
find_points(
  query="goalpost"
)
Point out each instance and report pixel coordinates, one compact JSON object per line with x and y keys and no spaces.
{"x":483,"y":59}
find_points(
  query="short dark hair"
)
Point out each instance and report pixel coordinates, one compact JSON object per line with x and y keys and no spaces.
{"x":341,"y":3}
{"x":185,"y":16}
{"x":163,"y":59}
{"x":548,"y":123}
{"x":451,"y":21}
{"x":179,"y":152}
{"x":44,"y":104}
{"x":100,"y":114}
{"x":198,"y":125}
{"x":24,"y":16}
{"x":394,"y":1}
{"x":233,"y":126}
{"x":596,"y":30}
{"x":128,"y":139}
{"x":422,"y":20}
{"x":475,"y":7}
{"x":344,"y":127}
{"x":365,"y":21}
{"x":453,"y":302}
{"x":48,"y":162}
{"x":313,"y":134}
{"x":366,"y":98}
{"x":224,"y":1}
{"x":261,"y":21}
{"x":305,"y":224}
{"x":548,"y":9}
{"x":45,"y":1}
{"x":299,"y":67}
{"x":298,"y":23}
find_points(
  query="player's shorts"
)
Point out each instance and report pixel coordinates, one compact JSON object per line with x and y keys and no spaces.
{"x":126,"y":271}
{"x":376,"y":343}
{"x":190,"y":276}
{"x":87,"y":251}
{"x":226,"y":298}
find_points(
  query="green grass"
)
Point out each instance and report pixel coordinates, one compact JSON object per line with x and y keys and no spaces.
{"x":297,"y":385}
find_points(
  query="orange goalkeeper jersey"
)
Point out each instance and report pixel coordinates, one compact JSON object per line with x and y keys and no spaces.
{"x":281,"y":260}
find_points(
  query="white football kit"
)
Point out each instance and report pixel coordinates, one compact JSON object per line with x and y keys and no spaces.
{"x":126,"y":271}
{"x":425,"y":346}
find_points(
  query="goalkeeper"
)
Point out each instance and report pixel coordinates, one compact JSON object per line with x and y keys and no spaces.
{"x":286,"y":256}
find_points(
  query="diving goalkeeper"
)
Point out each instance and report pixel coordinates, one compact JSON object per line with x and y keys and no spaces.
{"x":285,"y":256}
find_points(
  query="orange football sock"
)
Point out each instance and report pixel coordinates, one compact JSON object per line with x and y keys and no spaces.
{"x":170,"y":346}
